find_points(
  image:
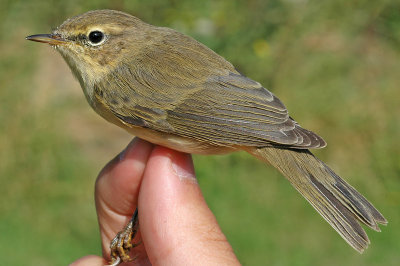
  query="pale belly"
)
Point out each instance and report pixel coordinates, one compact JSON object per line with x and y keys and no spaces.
{"x":178,"y":143}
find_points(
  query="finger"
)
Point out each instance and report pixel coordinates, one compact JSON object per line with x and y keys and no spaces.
{"x":176,"y":224}
{"x":117,"y":188}
{"x":89,"y":260}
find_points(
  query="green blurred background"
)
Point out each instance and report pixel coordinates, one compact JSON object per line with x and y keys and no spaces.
{"x":335,"y":64}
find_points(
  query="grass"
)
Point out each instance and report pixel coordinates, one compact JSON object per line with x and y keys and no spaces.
{"x":335,"y":64}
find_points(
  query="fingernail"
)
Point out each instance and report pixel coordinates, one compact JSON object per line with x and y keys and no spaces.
{"x":121,"y":156}
{"x":182,"y":164}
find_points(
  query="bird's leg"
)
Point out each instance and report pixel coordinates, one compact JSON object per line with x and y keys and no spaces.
{"x":122,"y":242}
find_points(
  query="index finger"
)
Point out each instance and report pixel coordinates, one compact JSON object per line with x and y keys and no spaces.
{"x":117,"y":187}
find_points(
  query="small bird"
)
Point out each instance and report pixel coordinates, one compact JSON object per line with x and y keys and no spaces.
{"x":169,"y":89}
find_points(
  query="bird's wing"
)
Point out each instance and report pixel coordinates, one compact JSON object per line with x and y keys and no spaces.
{"x":235,"y":110}
{"x":224,"y":110}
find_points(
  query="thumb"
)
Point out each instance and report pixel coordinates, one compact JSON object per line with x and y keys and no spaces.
{"x":176,"y":225}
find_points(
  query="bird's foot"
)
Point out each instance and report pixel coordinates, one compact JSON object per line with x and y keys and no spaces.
{"x":122,"y":243}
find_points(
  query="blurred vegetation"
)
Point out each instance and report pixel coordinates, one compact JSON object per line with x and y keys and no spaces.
{"x":335,"y":64}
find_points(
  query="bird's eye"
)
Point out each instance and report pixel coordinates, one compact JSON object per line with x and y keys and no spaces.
{"x":96,"y":37}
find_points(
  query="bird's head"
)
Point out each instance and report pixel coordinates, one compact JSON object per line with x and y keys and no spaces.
{"x":96,"y":42}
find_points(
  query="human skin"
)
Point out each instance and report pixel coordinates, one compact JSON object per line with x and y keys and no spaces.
{"x":176,"y":225}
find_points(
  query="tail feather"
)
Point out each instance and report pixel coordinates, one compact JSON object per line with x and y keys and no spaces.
{"x":338,"y":202}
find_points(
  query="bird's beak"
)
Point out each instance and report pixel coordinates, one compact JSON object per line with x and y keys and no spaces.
{"x":52,"y":39}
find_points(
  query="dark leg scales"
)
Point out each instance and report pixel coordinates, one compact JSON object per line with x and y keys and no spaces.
{"x":122,"y":243}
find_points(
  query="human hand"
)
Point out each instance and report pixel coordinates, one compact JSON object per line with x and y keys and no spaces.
{"x":176,"y":227}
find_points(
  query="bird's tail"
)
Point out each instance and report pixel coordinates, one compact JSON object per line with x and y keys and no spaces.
{"x":338,"y":202}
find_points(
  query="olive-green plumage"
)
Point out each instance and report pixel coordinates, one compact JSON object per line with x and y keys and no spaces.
{"x":171,"y":90}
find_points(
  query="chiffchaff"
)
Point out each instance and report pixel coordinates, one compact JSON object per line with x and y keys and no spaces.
{"x":171,"y":90}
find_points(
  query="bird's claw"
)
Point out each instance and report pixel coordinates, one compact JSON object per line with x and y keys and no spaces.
{"x":122,"y":243}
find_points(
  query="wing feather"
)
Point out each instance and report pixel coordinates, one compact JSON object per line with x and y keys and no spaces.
{"x":248,"y":115}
